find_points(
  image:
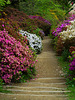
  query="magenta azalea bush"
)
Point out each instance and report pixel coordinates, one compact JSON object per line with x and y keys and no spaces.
{"x":72,"y":61}
{"x":16,"y":61}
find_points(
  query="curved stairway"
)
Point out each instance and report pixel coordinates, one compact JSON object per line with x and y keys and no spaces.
{"x":50,"y":85}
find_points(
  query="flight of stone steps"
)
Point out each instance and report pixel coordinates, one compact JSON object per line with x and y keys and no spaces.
{"x":52,"y":88}
{"x":50,"y":85}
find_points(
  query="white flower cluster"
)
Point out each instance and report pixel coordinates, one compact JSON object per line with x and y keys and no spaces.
{"x":69,"y":33}
{"x":34,"y":41}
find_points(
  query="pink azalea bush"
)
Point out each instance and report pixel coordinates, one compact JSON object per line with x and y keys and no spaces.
{"x":16,"y":60}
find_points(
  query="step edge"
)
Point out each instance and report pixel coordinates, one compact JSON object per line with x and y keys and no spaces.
{"x":34,"y":87}
{"x":35,"y":95}
{"x":37,"y":91}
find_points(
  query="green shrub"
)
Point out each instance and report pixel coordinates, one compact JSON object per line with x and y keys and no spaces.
{"x":2,"y":4}
{"x":65,"y":54}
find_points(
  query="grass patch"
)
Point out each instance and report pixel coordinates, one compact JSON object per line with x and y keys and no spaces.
{"x":63,"y":64}
{"x":72,"y":93}
{"x":3,"y":90}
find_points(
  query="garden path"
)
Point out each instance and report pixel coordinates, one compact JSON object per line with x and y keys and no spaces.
{"x":50,"y":85}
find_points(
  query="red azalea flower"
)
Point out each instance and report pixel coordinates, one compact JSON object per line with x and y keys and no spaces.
{"x":72,"y":3}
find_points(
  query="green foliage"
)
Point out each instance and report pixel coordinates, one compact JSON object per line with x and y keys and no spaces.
{"x":1,"y":85}
{"x":66,"y":54}
{"x":71,"y":95}
{"x":49,"y":9}
{"x":28,"y":75}
{"x":28,"y":7}
{"x":1,"y":82}
{"x":8,"y":2}
{"x":37,"y":31}
{"x":2,"y":4}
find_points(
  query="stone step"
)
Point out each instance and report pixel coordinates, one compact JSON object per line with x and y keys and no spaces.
{"x":31,"y":97}
{"x":50,"y":80}
{"x":38,"y":84}
{"x":48,"y":85}
{"x":38,"y":92}
{"x":34,"y":88}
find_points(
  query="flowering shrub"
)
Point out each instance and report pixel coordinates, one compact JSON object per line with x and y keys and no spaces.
{"x":65,"y":34}
{"x":12,"y":31}
{"x":16,"y":61}
{"x":69,"y":33}
{"x":72,"y":63}
{"x":16,"y":20}
{"x":59,"y":46}
{"x":34,"y":41}
{"x":19,"y":19}
{"x":63,"y":27}
{"x":42,"y":23}
{"x":72,"y":48}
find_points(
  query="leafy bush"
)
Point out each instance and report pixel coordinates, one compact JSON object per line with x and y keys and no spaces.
{"x":65,"y":4}
{"x":16,"y":20}
{"x":28,"y":7}
{"x":63,"y":40}
{"x":42,"y":23}
{"x":12,"y":30}
{"x":65,"y":54}
{"x":20,"y":19}
{"x":2,"y":3}
{"x":71,"y":73}
{"x":16,"y":61}
{"x":59,"y":46}
{"x":39,"y":32}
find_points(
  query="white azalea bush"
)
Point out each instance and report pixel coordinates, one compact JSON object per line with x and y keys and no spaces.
{"x":69,"y":34}
{"x":65,"y":36}
{"x":34,"y":41}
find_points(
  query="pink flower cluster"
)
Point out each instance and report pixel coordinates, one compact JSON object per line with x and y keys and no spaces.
{"x":15,"y":59}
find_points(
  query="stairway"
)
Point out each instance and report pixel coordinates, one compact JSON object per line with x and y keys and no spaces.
{"x":49,"y":86}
